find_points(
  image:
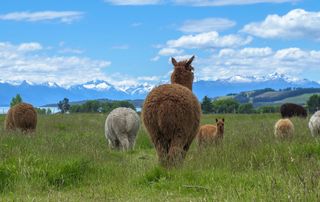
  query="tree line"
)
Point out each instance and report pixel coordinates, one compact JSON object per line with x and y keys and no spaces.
{"x":230,"y":105}
{"x":92,"y":106}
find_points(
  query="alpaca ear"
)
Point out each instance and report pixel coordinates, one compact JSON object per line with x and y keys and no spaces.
{"x":216,"y":120}
{"x":223,"y":120}
{"x":174,"y":62}
{"x":190,"y":61}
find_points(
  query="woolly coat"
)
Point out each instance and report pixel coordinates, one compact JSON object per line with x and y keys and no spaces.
{"x":171,"y":115}
{"x":209,"y":134}
{"x":121,"y":128}
{"x":289,"y":110}
{"x":284,"y":128}
{"x":314,"y":124}
{"x":21,"y":116}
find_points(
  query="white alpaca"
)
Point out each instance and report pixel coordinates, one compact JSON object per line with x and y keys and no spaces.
{"x":121,"y":128}
{"x":314,"y":124}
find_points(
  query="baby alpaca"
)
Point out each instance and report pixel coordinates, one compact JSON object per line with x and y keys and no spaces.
{"x":314,"y":124}
{"x":121,"y":128}
{"x":284,"y":129}
{"x":209,"y":134}
{"x":21,"y":116}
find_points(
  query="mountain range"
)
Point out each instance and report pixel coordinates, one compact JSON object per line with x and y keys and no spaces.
{"x":48,"y":93}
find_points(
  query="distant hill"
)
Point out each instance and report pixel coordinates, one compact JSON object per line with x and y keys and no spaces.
{"x":46,"y":93}
{"x":270,"y":96}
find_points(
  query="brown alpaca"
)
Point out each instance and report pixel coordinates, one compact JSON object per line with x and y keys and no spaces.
{"x":171,"y":115}
{"x":21,"y":116}
{"x":209,"y":134}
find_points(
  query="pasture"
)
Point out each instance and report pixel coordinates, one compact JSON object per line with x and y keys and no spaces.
{"x":69,"y":160}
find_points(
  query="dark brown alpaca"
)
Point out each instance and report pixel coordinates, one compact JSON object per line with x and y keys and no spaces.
{"x":21,"y":116}
{"x":171,"y":115}
{"x":211,"y":134}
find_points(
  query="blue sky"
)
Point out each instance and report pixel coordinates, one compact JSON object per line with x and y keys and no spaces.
{"x":128,"y":42}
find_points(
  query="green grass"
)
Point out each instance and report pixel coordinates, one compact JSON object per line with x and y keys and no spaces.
{"x":68,"y":159}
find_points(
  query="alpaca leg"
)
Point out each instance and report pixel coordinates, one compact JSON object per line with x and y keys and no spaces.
{"x":177,"y":151}
{"x":132,"y":140}
{"x":124,"y":142}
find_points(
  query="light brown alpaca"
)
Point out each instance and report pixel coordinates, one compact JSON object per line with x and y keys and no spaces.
{"x":284,"y":129}
{"x":21,"y":116}
{"x":171,"y":115}
{"x":209,"y":134}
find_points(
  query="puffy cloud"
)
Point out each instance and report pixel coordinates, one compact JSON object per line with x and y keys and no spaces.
{"x":18,"y":62}
{"x":169,"y":51}
{"x":208,"y":40}
{"x":257,"y":62}
{"x":61,"y":16}
{"x":207,"y":25}
{"x":297,"y":23}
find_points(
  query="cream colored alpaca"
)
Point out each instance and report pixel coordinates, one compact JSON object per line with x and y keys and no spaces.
{"x":284,"y":128}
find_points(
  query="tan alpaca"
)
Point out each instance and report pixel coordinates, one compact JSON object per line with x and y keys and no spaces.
{"x":284,"y":129}
{"x":209,"y":134}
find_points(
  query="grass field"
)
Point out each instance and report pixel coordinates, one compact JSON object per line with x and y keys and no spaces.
{"x":68,"y":160}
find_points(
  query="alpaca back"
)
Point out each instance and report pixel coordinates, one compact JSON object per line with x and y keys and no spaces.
{"x":207,"y":134}
{"x":122,"y":124}
{"x":171,"y":115}
{"x":284,"y":128}
{"x":314,"y":124}
{"x":22,"y":116}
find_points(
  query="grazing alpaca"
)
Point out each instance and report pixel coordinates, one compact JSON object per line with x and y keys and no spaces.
{"x":171,"y":115}
{"x":314,"y":124}
{"x":289,"y":110}
{"x":21,"y":116}
{"x":284,"y":129}
{"x":209,"y":134}
{"x":121,"y":128}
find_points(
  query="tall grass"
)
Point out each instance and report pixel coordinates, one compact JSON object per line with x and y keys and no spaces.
{"x":68,"y":159}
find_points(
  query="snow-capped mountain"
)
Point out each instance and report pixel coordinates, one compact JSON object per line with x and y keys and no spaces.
{"x":48,"y":93}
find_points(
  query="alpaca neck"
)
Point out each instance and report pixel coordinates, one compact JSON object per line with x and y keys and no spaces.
{"x":220,"y":131}
{"x":182,"y":77}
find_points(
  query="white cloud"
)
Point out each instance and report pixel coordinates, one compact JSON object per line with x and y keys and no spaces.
{"x":297,"y":23}
{"x":61,"y":16}
{"x":71,"y":51}
{"x":207,"y":25}
{"x":17,"y":64}
{"x":208,"y":40}
{"x":133,"y":2}
{"x":257,"y":62}
{"x":29,"y":47}
{"x":169,"y":51}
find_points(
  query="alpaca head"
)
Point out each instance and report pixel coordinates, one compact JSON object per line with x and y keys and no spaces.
{"x":220,"y":125}
{"x":182,"y":73}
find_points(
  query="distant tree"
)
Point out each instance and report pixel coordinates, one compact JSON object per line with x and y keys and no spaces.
{"x":64,"y":105}
{"x":246,"y":108}
{"x":15,"y":100}
{"x":269,"y":109}
{"x":206,"y":105}
{"x":225,"y":106}
{"x":313,"y":103}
